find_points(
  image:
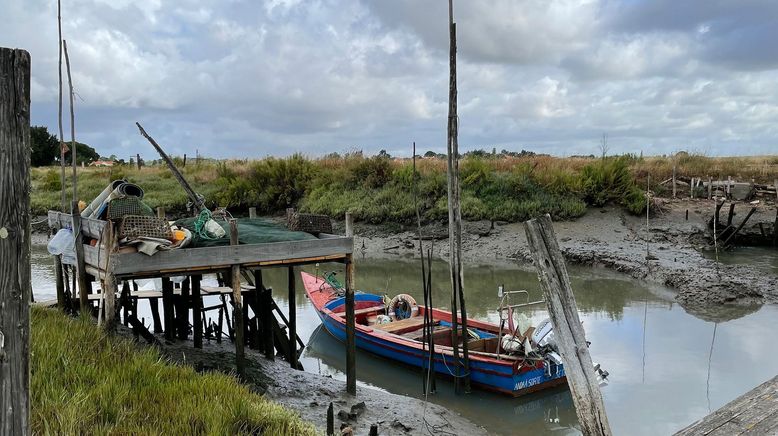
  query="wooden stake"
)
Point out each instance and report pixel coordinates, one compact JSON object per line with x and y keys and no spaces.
{"x":349,"y":225}
{"x":63,"y":201}
{"x":154,"y":306}
{"x":167,"y":309}
{"x":83,"y":285}
{"x":330,"y":421}
{"x":292,"y":358}
{"x":252,"y":212}
{"x":266,"y":312}
{"x":109,"y":281}
{"x":73,"y":152}
{"x":15,"y":276}
{"x":351,"y":344}
{"x":197,"y":311}
{"x":674,"y":177}
{"x":237,"y":311}
{"x":710,"y":188}
{"x":161,"y":212}
{"x":182,"y":311}
{"x":568,"y":331}
{"x":59,"y":275}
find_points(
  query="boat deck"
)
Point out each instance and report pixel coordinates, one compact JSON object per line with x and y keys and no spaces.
{"x":753,"y":413}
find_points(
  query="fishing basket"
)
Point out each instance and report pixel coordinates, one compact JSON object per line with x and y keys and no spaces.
{"x":136,"y":226}
{"x":310,"y":223}
{"x":118,"y":208}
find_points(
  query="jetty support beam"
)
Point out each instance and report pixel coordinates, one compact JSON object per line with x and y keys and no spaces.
{"x":563,"y":311}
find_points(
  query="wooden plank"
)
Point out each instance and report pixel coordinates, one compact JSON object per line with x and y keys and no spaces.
{"x":751,"y":413}
{"x":90,"y":227}
{"x":212,"y":258}
{"x":401,"y":326}
{"x":15,"y":276}
{"x":569,"y":333}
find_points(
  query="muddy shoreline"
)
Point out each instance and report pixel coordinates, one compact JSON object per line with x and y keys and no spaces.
{"x":609,"y":238}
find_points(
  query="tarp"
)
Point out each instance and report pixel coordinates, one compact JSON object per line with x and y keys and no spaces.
{"x":250,"y":231}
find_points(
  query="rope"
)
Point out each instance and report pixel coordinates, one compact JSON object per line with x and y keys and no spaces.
{"x":199,"y":224}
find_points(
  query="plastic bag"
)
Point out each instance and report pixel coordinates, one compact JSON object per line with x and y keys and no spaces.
{"x":63,"y":243}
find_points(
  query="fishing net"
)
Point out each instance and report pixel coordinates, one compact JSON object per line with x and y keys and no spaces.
{"x":250,"y":231}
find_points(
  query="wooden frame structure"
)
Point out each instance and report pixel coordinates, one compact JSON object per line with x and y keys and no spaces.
{"x":116,"y":268}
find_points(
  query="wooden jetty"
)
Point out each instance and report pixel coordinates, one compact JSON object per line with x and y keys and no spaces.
{"x":116,"y":271}
{"x":753,"y":413}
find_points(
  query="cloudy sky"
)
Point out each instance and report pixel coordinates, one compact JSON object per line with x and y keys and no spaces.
{"x":236,"y":78}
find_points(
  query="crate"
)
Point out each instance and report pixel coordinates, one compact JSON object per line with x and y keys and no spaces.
{"x":310,"y":223}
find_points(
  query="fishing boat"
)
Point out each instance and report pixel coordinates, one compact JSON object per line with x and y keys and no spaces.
{"x":503,"y":358}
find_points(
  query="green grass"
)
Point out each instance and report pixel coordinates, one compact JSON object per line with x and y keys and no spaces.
{"x":87,"y":382}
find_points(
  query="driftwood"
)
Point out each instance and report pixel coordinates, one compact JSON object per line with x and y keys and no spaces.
{"x":15,"y":279}
{"x":568,"y":331}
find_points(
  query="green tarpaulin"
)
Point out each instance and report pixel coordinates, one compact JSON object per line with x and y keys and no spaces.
{"x":250,"y":231}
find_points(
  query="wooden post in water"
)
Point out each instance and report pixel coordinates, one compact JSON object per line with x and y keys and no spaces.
{"x":351,"y":344}
{"x":729,"y":186}
{"x":568,"y":331}
{"x":59,"y":275}
{"x":252,"y":212}
{"x":710,"y":188}
{"x":292,"y":358}
{"x":674,"y":177}
{"x":154,"y":306}
{"x":182,"y":311}
{"x":197,"y":311}
{"x":15,"y":276}
{"x":237,"y":311}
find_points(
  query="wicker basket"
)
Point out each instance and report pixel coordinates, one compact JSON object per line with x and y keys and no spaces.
{"x":135,"y":226}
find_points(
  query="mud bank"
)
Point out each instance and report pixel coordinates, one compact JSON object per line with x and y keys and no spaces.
{"x":310,"y":394}
{"x":667,"y":254}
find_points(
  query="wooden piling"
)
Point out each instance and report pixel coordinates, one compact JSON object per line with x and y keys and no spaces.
{"x":731,"y":214}
{"x":351,"y":345}
{"x":710,"y":188}
{"x":330,"y":421}
{"x":775,"y":186}
{"x":674,"y":188}
{"x":15,"y":276}
{"x":292,"y":358}
{"x":252,"y":212}
{"x":161,"y":212}
{"x":568,"y":331}
{"x":109,"y":285}
{"x":733,"y":237}
{"x":237,"y":311}
{"x":154,"y":306}
{"x":691,"y":188}
{"x":197,"y":311}
{"x":83,"y":287}
{"x":167,"y":308}
{"x":729,"y":186}
{"x":265,"y":298}
{"x":349,"y":225}
{"x":182,"y":311}
{"x":59,"y":275}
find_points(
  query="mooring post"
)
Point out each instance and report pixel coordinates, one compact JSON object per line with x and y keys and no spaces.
{"x":266,"y":312}
{"x":60,"y":281}
{"x":351,"y":344}
{"x":729,"y":186}
{"x":292,"y":319}
{"x":154,"y":306}
{"x":197,"y":311}
{"x":330,"y":421}
{"x":167,"y":308}
{"x":15,"y":276}
{"x":182,"y":311}
{"x":161,"y":212}
{"x":109,"y":280}
{"x":83,"y":287}
{"x":674,"y":177}
{"x":349,"y":225}
{"x":731,"y":214}
{"x":252,"y":212}
{"x":775,"y":186}
{"x":691,"y":188}
{"x":710,"y":187}
{"x":237,"y":311}
{"x":563,"y":312}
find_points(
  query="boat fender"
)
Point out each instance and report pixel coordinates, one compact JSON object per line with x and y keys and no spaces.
{"x":403,"y":306}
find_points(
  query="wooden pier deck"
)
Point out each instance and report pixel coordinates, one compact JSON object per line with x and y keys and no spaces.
{"x":753,"y":413}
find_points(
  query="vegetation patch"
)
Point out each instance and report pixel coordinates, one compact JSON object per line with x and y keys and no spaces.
{"x":87,"y":382}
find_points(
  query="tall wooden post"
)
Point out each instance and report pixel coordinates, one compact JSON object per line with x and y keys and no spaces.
{"x":351,"y":343}
{"x":109,"y":281}
{"x":15,"y":278}
{"x":292,"y":319}
{"x":237,"y":311}
{"x":161,"y":212}
{"x":674,"y":187}
{"x":197,"y":312}
{"x":137,"y":160}
{"x":83,"y":287}
{"x":252,"y":212}
{"x":571,"y":340}
{"x":182,"y":311}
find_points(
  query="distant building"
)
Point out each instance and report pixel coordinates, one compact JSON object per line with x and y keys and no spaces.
{"x":102,"y":163}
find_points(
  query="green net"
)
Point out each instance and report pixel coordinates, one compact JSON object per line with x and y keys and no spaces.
{"x":250,"y":231}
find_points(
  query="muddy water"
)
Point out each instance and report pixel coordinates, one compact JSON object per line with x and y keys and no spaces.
{"x":668,"y":368}
{"x":763,"y":258}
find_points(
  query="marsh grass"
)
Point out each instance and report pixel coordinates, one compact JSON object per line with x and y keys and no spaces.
{"x":87,"y":382}
{"x":378,"y":189}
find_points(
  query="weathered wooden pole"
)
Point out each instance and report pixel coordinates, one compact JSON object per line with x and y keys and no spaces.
{"x":73,"y":152}
{"x":161,"y":212}
{"x":63,"y":201}
{"x":182,"y":311}
{"x":83,"y":287}
{"x":109,"y":281}
{"x":266,"y":312}
{"x":252,"y":212}
{"x":197,"y":311}
{"x":168,"y":310}
{"x":59,"y":276}
{"x":137,"y":160}
{"x":349,"y":225}
{"x":351,"y":344}
{"x":15,"y":276}
{"x":674,"y":188}
{"x":710,"y":187}
{"x":330,"y":421}
{"x":237,"y":311}
{"x":292,"y":358}
{"x":568,"y":331}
